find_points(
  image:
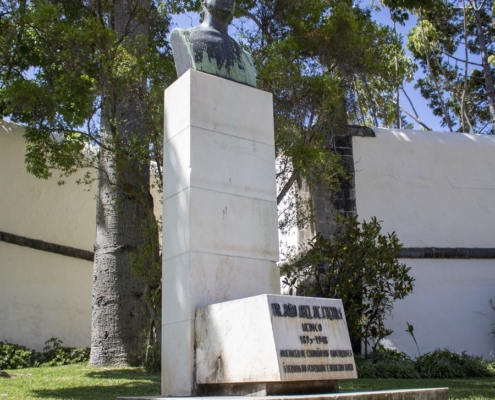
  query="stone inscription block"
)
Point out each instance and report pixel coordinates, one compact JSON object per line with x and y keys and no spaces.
{"x":273,"y":338}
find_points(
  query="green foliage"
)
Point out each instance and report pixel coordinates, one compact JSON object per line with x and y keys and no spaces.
{"x":152,"y":358}
{"x":13,"y":356}
{"x":385,"y":363}
{"x":400,"y":9}
{"x":457,"y":78}
{"x":492,"y":305}
{"x":57,"y":59}
{"x":439,"y":364}
{"x":54,"y":354}
{"x":410,"y":330}
{"x":359,"y":265}
{"x":87,"y":81}
{"x":453,"y":43}
{"x":146,"y":263}
{"x":446,"y":364}
{"x":147,"y":266}
{"x":328,"y":64}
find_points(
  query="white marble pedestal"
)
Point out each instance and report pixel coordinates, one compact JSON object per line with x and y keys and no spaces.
{"x":220,"y":239}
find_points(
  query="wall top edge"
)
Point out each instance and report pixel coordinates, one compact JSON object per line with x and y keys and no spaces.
{"x":9,"y":128}
{"x":411,"y":136}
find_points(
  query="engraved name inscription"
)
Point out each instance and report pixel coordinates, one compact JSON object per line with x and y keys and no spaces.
{"x":320,"y":360}
{"x":306,"y":312}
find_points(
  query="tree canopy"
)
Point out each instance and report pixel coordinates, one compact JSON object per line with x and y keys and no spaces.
{"x":86,"y":78}
{"x":452,"y":42}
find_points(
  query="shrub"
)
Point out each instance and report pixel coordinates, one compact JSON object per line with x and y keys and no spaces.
{"x":492,"y":305}
{"x":152,"y":360}
{"x":13,"y":356}
{"x":446,"y":364}
{"x":384,"y":363}
{"x":359,"y":265}
{"x":54,"y":354}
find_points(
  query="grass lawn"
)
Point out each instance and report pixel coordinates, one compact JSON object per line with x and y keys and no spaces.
{"x":80,"y":382}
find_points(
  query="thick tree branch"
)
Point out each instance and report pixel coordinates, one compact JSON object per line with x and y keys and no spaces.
{"x":287,"y":186}
{"x":490,"y":90}
{"x":466,"y":54}
{"x":460,"y":59}
{"x":416,"y":119}
{"x":248,"y":14}
{"x":440,"y":95}
{"x":410,"y":102}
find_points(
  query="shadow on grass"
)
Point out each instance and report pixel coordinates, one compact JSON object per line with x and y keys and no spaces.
{"x":108,"y":385}
{"x":123,"y":374}
{"x":106,"y":392}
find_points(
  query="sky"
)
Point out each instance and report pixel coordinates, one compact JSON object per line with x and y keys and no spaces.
{"x":191,"y":19}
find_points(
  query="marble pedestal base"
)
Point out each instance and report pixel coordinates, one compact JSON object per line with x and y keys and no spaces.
{"x":272,"y":345}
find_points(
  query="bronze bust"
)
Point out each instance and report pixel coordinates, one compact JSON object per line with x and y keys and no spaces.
{"x":209,"y":48}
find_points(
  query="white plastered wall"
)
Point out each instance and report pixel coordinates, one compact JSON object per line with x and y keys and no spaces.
{"x":43,"y":295}
{"x":435,"y":189}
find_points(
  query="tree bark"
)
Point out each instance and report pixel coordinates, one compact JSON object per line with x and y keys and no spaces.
{"x":490,"y":90}
{"x":119,"y":312}
{"x":434,"y":79}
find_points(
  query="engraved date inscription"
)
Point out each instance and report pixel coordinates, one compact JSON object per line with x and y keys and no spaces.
{"x":314,"y":339}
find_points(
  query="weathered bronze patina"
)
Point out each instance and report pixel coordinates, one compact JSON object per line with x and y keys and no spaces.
{"x":209,"y":48}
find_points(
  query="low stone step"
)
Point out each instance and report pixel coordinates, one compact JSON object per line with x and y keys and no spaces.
{"x":403,"y":394}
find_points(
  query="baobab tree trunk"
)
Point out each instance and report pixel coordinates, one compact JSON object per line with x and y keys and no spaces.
{"x":119,"y":313}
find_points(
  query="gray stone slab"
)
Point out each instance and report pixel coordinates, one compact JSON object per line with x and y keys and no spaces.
{"x":404,"y":394}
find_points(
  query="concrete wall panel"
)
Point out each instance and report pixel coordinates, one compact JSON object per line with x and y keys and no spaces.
{"x":435,"y":189}
{"x":449,"y":308}
{"x":43,"y":295}
{"x":432,"y":188}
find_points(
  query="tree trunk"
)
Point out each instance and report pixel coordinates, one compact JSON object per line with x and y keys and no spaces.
{"x":124,"y":202}
{"x":434,"y":79}
{"x":490,"y":91}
